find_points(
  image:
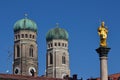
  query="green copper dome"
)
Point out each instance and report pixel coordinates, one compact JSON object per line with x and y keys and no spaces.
{"x":25,"y":24}
{"x":57,"y":33}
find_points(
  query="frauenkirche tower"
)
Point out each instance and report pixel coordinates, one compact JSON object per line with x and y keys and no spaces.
{"x":25,"y":48}
{"x":57,"y":57}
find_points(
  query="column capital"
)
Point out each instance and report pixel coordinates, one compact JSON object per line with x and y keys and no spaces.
{"x":103,"y":51}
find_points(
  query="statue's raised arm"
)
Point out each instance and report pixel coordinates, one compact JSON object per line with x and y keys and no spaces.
{"x":103,"y":31}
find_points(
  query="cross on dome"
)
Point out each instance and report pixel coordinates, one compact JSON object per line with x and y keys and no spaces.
{"x":26,"y":15}
{"x":57,"y":25}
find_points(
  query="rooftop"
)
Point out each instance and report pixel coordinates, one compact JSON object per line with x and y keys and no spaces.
{"x":21,"y":77}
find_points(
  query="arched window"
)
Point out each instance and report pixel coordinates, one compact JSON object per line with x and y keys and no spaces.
{"x":66,"y":45}
{"x":18,"y":51}
{"x":31,"y":51}
{"x":32,"y":72}
{"x":55,"y":44}
{"x":22,"y":35}
{"x":33,"y":36}
{"x":17,"y":70}
{"x":26,"y":36}
{"x":51,"y":45}
{"x":48,"y":45}
{"x":18,"y":36}
{"x":62,"y":44}
{"x":59,"y":44}
{"x":51,"y":58}
{"x":30,"y":35}
{"x":63,"y":60}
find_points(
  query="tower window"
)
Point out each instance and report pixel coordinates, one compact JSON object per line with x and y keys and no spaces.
{"x":51,"y":45}
{"x":30,"y":35}
{"x":55,"y":44}
{"x":63,"y":44}
{"x":51,"y":58}
{"x":33,"y":36}
{"x":16,"y":71}
{"x":18,"y":51}
{"x":18,"y":36}
{"x":58,"y":44}
{"x":32,"y":72}
{"x":22,"y":35}
{"x":48,"y":45}
{"x":26,"y":36}
{"x":31,"y":51}
{"x":63,"y":60}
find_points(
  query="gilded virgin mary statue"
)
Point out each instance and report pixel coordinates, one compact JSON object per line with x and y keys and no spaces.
{"x":103,"y":32}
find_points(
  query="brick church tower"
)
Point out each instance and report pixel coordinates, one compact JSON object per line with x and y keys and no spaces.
{"x":57,"y":57}
{"x":25,"y":48}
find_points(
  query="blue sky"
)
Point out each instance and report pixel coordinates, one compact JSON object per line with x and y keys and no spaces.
{"x":80,"y":18}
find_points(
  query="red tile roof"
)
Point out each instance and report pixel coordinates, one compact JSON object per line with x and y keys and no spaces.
{"x":112,"y":77}
{"x":21,"y":77}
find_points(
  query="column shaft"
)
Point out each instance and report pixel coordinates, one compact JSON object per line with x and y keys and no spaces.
{"x":103,"y":68}
{"x":103,"y":53}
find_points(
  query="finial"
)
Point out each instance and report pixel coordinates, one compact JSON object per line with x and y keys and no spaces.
{"x":103,"y":24}
{"x":57,"y":24}
{"x":26,"y":15}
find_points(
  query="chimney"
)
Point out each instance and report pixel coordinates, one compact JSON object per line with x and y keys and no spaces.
{"x":75,"y":77}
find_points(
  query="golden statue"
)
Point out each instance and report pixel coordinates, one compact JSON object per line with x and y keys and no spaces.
{"x":103,"y":31}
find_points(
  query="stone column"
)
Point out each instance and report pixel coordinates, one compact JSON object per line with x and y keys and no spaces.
{"x":103,"y":53}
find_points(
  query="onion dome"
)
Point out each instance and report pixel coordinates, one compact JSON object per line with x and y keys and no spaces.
{"x":25,"y":24}
{"x":57,"y":33}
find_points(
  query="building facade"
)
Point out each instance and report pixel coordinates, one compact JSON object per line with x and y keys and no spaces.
{"x":57,"y":63}
{"x":25,"y":48}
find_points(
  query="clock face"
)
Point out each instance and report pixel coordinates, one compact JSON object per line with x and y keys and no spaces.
{"x":64,"y":75}
{"x":32,"y":71}
{"x":17,"y":70}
